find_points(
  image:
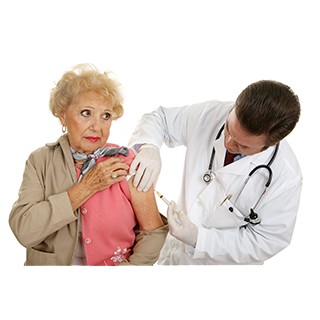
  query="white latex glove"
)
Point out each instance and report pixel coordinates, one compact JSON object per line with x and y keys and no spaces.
{"x":146,"y":166}
{"x":180,"y":226}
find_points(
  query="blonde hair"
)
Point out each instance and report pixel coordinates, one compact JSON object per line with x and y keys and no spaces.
{"x":83,"y":78}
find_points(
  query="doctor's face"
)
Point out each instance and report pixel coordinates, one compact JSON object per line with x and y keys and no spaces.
{"x":236,"y":140}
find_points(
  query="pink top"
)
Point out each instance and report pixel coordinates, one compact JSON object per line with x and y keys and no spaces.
{"x":108,"y":222}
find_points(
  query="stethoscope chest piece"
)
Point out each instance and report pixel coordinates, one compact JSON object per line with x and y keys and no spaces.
{"x":252,"y":217}
{"x":208,"y":176}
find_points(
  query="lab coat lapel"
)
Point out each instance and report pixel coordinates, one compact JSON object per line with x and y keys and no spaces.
{"x":229,"y":177}
{"x":220,"y":152}
{"x":208,"y":196}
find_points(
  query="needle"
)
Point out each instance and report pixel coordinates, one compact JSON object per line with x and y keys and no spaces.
{"x":162,"y":197}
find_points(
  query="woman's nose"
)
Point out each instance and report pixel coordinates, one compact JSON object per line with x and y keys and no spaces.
{"x":95,"y":124}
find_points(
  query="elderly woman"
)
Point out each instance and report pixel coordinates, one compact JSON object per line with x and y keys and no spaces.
{"x":75,"y":205}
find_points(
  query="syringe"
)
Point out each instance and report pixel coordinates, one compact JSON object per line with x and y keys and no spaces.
{"x":161,"y":196}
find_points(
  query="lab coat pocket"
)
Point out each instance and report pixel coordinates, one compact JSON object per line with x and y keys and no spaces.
{"x":224,"y":215}
{"x":214,"y":203}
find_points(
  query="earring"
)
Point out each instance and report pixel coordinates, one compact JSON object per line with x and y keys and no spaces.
{"x":64,"y":129}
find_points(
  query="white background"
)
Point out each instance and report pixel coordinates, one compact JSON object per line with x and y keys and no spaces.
{"x":167,"y":53}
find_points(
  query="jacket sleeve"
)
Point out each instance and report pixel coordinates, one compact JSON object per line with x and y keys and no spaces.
{"x":148,"y":245}
{"x":35,"y":216}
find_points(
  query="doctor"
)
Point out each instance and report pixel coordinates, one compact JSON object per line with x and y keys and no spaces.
{"x":230,"y":211}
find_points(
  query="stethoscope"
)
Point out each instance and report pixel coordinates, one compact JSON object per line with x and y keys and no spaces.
{"x":252,"y":217}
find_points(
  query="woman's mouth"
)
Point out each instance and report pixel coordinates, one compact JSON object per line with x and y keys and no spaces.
{"x":92,"y":139}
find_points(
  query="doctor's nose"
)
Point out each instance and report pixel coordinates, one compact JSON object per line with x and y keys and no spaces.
{"x":230,"y":144}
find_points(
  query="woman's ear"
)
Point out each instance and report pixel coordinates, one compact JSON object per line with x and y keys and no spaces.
{"x":61,"y":117}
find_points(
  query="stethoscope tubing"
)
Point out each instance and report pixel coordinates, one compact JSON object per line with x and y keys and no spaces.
{"x":208,"y":176}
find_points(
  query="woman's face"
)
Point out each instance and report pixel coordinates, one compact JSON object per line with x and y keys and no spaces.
{"x":88,"y":119}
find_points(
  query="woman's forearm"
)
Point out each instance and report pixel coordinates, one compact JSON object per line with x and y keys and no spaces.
{"x":97,"y":179}
{"x":78,"y":195}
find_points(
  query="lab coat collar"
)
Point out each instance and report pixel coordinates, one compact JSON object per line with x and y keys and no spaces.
{"x":242,"y":166}
{"x":262,"y":157}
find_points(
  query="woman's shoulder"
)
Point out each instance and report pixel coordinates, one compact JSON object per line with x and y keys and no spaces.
{"x":47,"y":150}
{"x":128,"y":159}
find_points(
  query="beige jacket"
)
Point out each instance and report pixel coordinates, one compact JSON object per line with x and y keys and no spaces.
{"x":42,"y":218}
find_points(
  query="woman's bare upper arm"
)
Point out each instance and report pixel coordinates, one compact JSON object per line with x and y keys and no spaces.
{"x":145,"y":207}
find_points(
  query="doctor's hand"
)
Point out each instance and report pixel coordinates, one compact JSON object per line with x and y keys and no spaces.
{"x":146,"y":166}
{"x":181,"y":227}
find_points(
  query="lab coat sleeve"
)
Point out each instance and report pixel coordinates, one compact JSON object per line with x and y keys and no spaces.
{"x":33,"y":218}
{"x":171,"y":126}
{"x":252,"y":244}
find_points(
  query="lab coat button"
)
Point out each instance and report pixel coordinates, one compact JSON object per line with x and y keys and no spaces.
{"x":87,"y":240}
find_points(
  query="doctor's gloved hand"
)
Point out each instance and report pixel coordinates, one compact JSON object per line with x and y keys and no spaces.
{"x":146,"y":166}
{"x":181,"y":227}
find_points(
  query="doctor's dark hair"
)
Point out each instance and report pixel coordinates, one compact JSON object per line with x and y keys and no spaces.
{"x":268,"y":107}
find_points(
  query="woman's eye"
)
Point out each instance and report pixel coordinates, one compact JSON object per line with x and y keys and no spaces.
{"x":107,"y":116}
{"x":85,"y":113}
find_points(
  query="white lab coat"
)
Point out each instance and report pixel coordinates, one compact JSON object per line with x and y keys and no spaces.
{"x":224,"y":237}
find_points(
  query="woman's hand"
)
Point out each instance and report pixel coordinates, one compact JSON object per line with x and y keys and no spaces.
{"x":101,"y":176}
{"x":105,"y":174}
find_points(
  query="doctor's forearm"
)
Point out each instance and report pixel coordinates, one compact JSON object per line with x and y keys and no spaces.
{"x":235,"y":246}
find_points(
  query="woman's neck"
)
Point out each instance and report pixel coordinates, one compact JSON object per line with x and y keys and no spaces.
{"x":78,"y":163}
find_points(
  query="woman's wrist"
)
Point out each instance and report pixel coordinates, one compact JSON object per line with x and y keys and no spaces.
{"x":79,"y":194}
